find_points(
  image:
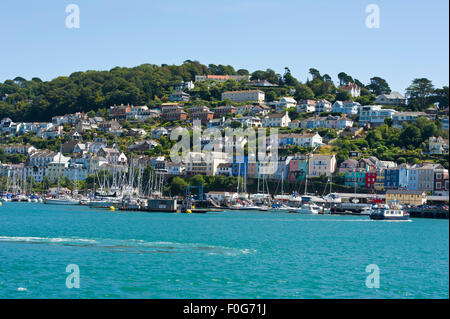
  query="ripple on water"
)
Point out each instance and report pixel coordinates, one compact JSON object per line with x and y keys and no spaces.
{"x":131,"y":245}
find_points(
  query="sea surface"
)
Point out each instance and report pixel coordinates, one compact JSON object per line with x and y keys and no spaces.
{"x":216,"y":255}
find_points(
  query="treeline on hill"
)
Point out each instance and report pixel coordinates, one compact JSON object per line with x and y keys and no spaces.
{"x":150,"y":84}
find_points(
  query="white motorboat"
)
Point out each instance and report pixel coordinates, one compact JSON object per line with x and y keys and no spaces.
{"x":309,"y":209}
{"x":366,"y":211}
{"x":61,"y":200}
{"x":282,"y":209}
{"x":333,"y":198}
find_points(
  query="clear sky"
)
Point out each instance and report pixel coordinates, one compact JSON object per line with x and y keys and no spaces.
{"x":329,"y":35}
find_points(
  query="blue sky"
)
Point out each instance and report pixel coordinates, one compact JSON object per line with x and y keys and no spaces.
{"x":329,"y":35}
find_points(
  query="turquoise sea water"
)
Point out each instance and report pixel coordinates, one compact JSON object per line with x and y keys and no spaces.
{"x":217,"y":255}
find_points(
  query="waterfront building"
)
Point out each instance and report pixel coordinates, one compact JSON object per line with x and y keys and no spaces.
{"x":75,"y":172}
{"x":55,"y":168}
{"x":298,"y":167}
{"x":409,"y":197}
{"x":413,"y":179}
{"x":396,"y":177}
{"x":425,"y":176}
{"x":239,"y":167}
{"x":355,"y":178}
{"x":204,"y":164}
{"x":381,"y":168}
{"x":371,"y":178}
{"x":321,"y":165}
{"x":441,"y":187}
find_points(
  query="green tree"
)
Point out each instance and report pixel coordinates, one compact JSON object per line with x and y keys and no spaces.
{"x":378,"y":86}
{"x":419,"y":93}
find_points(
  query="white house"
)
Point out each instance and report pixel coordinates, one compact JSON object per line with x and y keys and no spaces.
{"x":244,"y":96}
{"x":438,"y":145}
{"x":323,"y":106}
{"x":18,"y":149}
{"x":158,"y":132}
{"x":374,"y":114}
{"x":305,"y":106}
{"x":276,"y":120}
{"x":304,"y":140}
{"x":204,"y":164}
{"x":175,"y":168}
{"x":347,"y":107}
{"x":285,"y":103}
{"x":393,"y":98}
{"x":225,"y":169}
{"x":353,"y":89}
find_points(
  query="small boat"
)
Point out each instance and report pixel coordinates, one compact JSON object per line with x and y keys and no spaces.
{"x":366,"y":211}
{"x":333,"y":198}
{"x":250,"y":207}
{"x":392,"y":211}
{"x":61,"y":200}
{"x":21,"y":198}
{"x":309,"y":209}
{"x":105,"y":203}
{"x":281,"y":209}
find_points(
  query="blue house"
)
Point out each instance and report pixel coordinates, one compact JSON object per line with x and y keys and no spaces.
{"x":396,"y":177}
{"x":239,"y":166}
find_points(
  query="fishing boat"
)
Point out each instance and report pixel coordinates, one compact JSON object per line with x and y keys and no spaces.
{"x":392,"y":211}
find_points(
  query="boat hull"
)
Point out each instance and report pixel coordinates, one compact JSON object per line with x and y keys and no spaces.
{"x":61,"y":202}
{"x":383,"y":217}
